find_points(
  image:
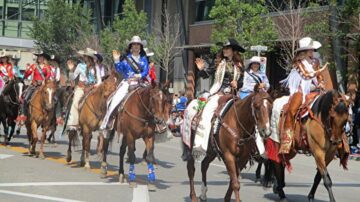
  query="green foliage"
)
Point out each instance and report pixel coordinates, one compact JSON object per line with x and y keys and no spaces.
{"x":130,"y":23}
{"x":243,"y":21}
{"x":58,"y":31}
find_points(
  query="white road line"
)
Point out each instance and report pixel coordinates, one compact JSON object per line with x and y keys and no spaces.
{"x":141,"y":194}
{"x":4,"y":156}
{"x":37,"y":196}
{"x":27,"y":184}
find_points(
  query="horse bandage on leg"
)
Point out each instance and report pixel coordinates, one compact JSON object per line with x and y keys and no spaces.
{"x":151,"y":175}
{"x":132,"y":175}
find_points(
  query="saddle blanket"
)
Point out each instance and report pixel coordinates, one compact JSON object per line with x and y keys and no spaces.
{"x":189,"y":115}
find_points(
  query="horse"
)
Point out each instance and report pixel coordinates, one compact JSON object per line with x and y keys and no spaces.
{"x":324,"y":133}
{"x":41,"y":112}
{"x":9,"y":103}
{"x":140,"y":117}
{"x":63,"y":94}
{"x":91,"y":112}
{"x":235,"y":141}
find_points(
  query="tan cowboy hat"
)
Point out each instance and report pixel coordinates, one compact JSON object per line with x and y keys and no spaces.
{"x":42,"y":53}
{"x":5,"y":54}
{"x":88,"y":52}
{"x":308,"y":43}
{"x":254,"y":59}
{"x":148,"y":52}
{"x":136,"y":39}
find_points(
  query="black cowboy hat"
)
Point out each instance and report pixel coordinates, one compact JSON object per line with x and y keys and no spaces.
{"x":42,"y":53}
{"x":99,"y":57}
{"x":233,"y":44}
{"x":55,"y":58}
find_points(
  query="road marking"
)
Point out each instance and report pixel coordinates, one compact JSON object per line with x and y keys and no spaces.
{"x":37,"y":196}
{"x":5,"y":156}
{"x":141,"y":194}
{"x":26,"y":184}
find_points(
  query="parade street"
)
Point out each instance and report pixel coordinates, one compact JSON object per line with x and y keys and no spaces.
{"x":24,"y":178}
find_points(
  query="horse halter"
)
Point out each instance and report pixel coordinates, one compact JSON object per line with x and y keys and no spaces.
{"x":150,"y":111}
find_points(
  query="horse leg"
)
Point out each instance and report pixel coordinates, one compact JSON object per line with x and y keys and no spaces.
{"x":317,"y":180}
{"x":121,"y":163}
{"x":131,"y":151}
{"x":191,"y":172}
{"x":268,"y":178}
{"x":258,"y":171}
{"x":72,"y":134}
{"x":149,"y":141}
{"x":12,"y":125}
{"x":204,"y":167}
{"x":103,"y":169}
{"x":43,"y":138}
{"x":34,"y":138}
{"x":6,"y":130}
{"x":86,"y":147}
{"x":279,"y":170}
{"x":231,"y":166}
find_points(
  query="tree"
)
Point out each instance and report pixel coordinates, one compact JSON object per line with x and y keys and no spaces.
{"x":129,"y":23}
{"x":244,"y":21}
{"x":164,"y":40}
{"x":58,"y":31}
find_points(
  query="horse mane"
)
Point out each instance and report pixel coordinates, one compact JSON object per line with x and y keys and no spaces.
{"x":323,"y":108}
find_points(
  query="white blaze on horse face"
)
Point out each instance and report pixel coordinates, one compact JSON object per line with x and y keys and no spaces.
{"x":266,"y":105}
{"x":21,"y":85}
{"x":50,"y":94}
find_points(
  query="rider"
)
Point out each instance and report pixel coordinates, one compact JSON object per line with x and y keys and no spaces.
{"x":100,"y":67}
{"x":152,"y":73}
{"x":40,"y":72}
{"x":303,"y":78}
{"x":133,"y":66}
{"x":252,"y":76}
{"x":6,"y":69}
{"x":86,"y":75}
{"x":227,"y":73}
{"x":55,"y":68}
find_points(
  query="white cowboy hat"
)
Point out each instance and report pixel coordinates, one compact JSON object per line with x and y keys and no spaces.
{"x":148,"y":52}
{"x":88,"y":52}
{"x":254,"y":59}
{"x":5,"y":54}
{"x":308,"y":43}
{"x":136,"y":39}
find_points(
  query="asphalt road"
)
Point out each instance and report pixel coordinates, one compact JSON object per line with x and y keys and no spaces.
{"x":25,"y":178}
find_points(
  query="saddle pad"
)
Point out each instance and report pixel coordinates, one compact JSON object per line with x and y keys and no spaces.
{"x":189,"y":115}
{"x":221,"y":115}
{"x":84,"y":97}
{"x":123,"y":102}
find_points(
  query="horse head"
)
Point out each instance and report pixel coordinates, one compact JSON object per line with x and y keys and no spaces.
{"x":47,"y":95}
{"x":109,"y":85}
{"x":160,"y":106}
{"x":261,"y":110}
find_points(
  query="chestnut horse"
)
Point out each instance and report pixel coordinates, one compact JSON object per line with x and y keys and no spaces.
{"x":41,"y":112}
{"x":91,"y":113}
{"x":9,"y":105}
{"x":324,"y":132}
{"x":235,"y":141}
{"x":141,"y":114}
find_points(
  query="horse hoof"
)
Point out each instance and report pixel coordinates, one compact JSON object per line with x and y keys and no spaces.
{"x":103,"y":172}
{"x":122,"y":178}
{"x":87,"y":166}
{"x":283,"y":200}
{"x":151,"y":187}
{"x":41,"y":155}
{"x":82,"y":163}
{"x":132,"y":184}
{"x":257,"y":180}
{"x":68,"y":158}
{"x":201,"y":200}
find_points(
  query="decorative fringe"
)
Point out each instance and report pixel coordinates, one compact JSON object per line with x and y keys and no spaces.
{"x":272,"y":150}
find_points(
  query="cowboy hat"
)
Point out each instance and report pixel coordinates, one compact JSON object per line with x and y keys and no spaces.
{"x":5,"y":54}
{"x":88,"y":52}
{"x":99,"y":57}
{"x":254,"y":59}
{"x":308,"y":43}
{"x":233,"y":44}
{"x":136,"y":39}
{"x":42,"y":53}
{"x":55,"y":58}
{"x":148,"y":52}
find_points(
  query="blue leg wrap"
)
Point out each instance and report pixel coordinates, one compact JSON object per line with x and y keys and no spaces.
{"x":132,"y":175}
{"x":151,"y":175}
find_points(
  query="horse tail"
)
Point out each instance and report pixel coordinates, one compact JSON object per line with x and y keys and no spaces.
{"x":111,"y":138}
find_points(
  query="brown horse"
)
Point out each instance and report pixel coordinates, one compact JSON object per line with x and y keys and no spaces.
{"x":91,"y":113}
{"x":323,"y":132}
{"x":142,"y":113}
{"x":235,"y":141}
{"x":41,"y":112}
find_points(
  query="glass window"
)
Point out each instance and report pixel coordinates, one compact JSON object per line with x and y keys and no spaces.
{"x":12,"y":13}
{"x":28,"y":14}
{"x":203,"y":8}
{"x":1,"y":11}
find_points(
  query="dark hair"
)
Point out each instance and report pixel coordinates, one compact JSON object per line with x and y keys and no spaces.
{"x":142,"y":51}
{"x":300,"y":55}
{"x":236,"y":58}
